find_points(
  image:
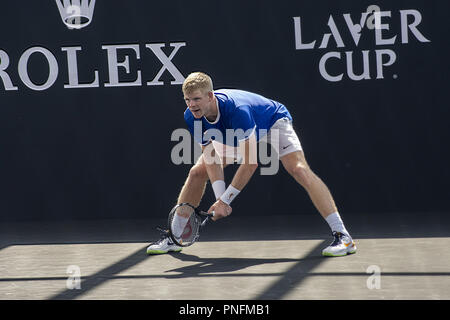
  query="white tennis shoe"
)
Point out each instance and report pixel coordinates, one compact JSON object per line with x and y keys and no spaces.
{"x":342,"y":245}
{"x":163,"y":245}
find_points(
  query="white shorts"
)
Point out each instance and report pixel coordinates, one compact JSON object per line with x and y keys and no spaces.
{"x":281,"y":137}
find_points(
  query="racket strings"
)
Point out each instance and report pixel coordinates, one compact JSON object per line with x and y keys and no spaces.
{"x":184,"y":225}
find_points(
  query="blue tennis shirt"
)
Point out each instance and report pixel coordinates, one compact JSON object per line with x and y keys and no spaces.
{"x":240,"y":114}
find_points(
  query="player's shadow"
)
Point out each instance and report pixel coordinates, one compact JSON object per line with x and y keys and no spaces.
{"x":287,"y":278}
{"x":225,"y":266}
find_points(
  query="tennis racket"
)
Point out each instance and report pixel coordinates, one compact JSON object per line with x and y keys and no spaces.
{"x":185,"y":222}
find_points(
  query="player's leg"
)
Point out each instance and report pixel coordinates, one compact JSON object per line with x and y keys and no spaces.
{"x":191,"y":192}
{"x":285,"y":141}
{"x":295,"y":163}
{"x":195,"y":184}
{"x":293,"y":159}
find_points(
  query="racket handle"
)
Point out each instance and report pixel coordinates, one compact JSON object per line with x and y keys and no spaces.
{"x":207,"y":219}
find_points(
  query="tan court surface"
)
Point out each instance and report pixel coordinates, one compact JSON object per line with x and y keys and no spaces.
{"x":113,"y":263}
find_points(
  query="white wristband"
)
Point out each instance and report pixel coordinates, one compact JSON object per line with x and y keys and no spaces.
{"x":229,"y":194}
{"x":218,"y":187}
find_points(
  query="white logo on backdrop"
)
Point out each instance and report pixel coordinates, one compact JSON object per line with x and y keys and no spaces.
{"x":122,"y":60}
{"x":76,"y":14}
{"x":374,"y":23}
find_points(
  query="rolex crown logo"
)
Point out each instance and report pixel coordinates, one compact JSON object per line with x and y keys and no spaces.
{"x":76,"y":14}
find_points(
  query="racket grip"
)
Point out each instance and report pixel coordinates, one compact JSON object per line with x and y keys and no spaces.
{"x":207,"y":219}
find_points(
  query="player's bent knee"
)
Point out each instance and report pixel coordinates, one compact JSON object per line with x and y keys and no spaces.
{"x":303,"y":175}
{"x":198,"y":172}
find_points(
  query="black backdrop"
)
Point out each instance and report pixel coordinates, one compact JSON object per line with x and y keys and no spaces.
{"x":381,"y":145}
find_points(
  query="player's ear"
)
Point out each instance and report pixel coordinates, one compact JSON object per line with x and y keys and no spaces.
{"x":210,"y":95}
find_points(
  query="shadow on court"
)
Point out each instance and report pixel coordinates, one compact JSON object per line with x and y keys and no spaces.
{"x":205,"y":267}
{"x":267,"y":230}
{"x":287,"y":280}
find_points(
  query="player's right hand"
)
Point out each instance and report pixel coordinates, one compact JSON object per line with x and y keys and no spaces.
{"x":221,"y":210}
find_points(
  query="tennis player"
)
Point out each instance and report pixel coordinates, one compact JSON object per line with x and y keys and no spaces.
{"x":228,"y":124}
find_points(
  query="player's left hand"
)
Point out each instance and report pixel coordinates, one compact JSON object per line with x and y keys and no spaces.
{"x":221,"y":210}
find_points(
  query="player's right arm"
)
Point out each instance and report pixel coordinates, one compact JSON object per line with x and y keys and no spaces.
{"x":213,"y":163}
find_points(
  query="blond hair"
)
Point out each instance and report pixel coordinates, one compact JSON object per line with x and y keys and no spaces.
{"x":197,"y":81}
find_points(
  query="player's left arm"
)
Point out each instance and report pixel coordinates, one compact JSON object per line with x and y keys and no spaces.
{"x":249,"y":162}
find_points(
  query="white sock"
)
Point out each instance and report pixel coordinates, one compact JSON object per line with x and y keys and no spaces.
{"x":178,"y":224}
{"x":335,"y":222}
